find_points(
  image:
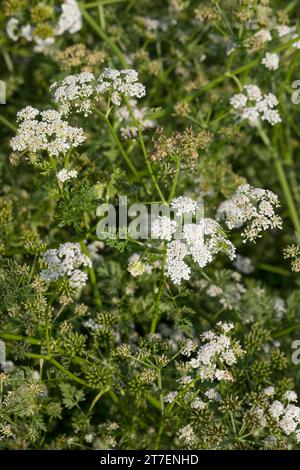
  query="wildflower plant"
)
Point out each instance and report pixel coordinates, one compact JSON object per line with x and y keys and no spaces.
{"x":181,"y":337}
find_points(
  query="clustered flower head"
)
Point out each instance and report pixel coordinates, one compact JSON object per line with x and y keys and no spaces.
{"x":80,"y":92}
{"x":187,"y":435}
{"x":45,"y":131}
{"x":253,"y":207}
{"x":74,"y":92}
{"x":284,"y":412}
{"x":271,"y":61}
{"x":293,"y":252}
{"x":65,"y":175}
{"x":66,"y":262}
{"x":120,"y":83}
{"x":217,"y":354}
{"x":201,"y":240}
{"x":252,"y":106}
{"x":70,"y":20}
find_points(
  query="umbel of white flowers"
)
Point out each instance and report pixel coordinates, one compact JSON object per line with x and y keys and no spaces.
{"x":66,"y":262}
{"x":201,"y":241}
{"x":80,"y":92}
{"x":253,"y":208}
{"x":45,"y":131}
{"x":253,"y":106}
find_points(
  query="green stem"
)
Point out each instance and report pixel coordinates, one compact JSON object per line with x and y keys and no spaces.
{"x":67,"y":159}
{"x":162,"y":408}
{"x":68,"y":373}
{"x":13,"y":337}
{"x":96,"y":399}
{"x":118,"y":143}
{"x":8,"y":123}
{"x":145,"y":153}
{"x":175,"y":180}
{"x":157,"y":301}
{"x":47,"y":332}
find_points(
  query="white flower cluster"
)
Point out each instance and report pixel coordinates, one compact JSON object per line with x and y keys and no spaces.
{"x":65,"y":175}
{"x":79,"y":92}
{"x":187,"y":435}
{"x":285,"y":414}
{"x":271,"y":61}
{"x":217,"y":354}
{"x":130,"y":131}
{"x":253,"y":106}
{"x":70,"y":20}
{"x":253,"y":207}
{"x":45,"y":131}
{"x":264,"y":35}
{"x":66,"y":262}
{"x":75,"y":92}
{"x":170,"y":397}
{"x":120,"y":83}
{"x":201,"y":240}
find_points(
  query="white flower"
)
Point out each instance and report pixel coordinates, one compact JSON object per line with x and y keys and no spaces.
{"x":163,"y":228}
{"x":184,"y":205}
{"x":188,"y":347}
{"x":269,"y":391}
{"x":214,"y":291}
{"x":216,"y":351}
{"x":120,"y":83}
{"x":198,"y":404}
{"x":276,"y":409}
{"x":45,"y":131}
{"x":254,"y":92}
{"x":212,"y":395}
{"x":257,"y":106}
{"x":65,"y":175}
{"x":251,"y":115}
{"x":176,"y":268}
{"x":287,"y":417}
{"x":200,"y":240}
{"x":284,"y":30}
{"x":170,"y":397}
{"x":187,"y":435}
{"x":290,"y":395}
{"x":238,"y":101}
{"x":271,"y":61}
{"x":264,"y":35}
{"x":226,"y":327}
{"x":136,"y":268}
{"x":75,"y":92}
{"x":66,"y":262}
{"x":70,"y":19}
{"x":255,"y":207}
